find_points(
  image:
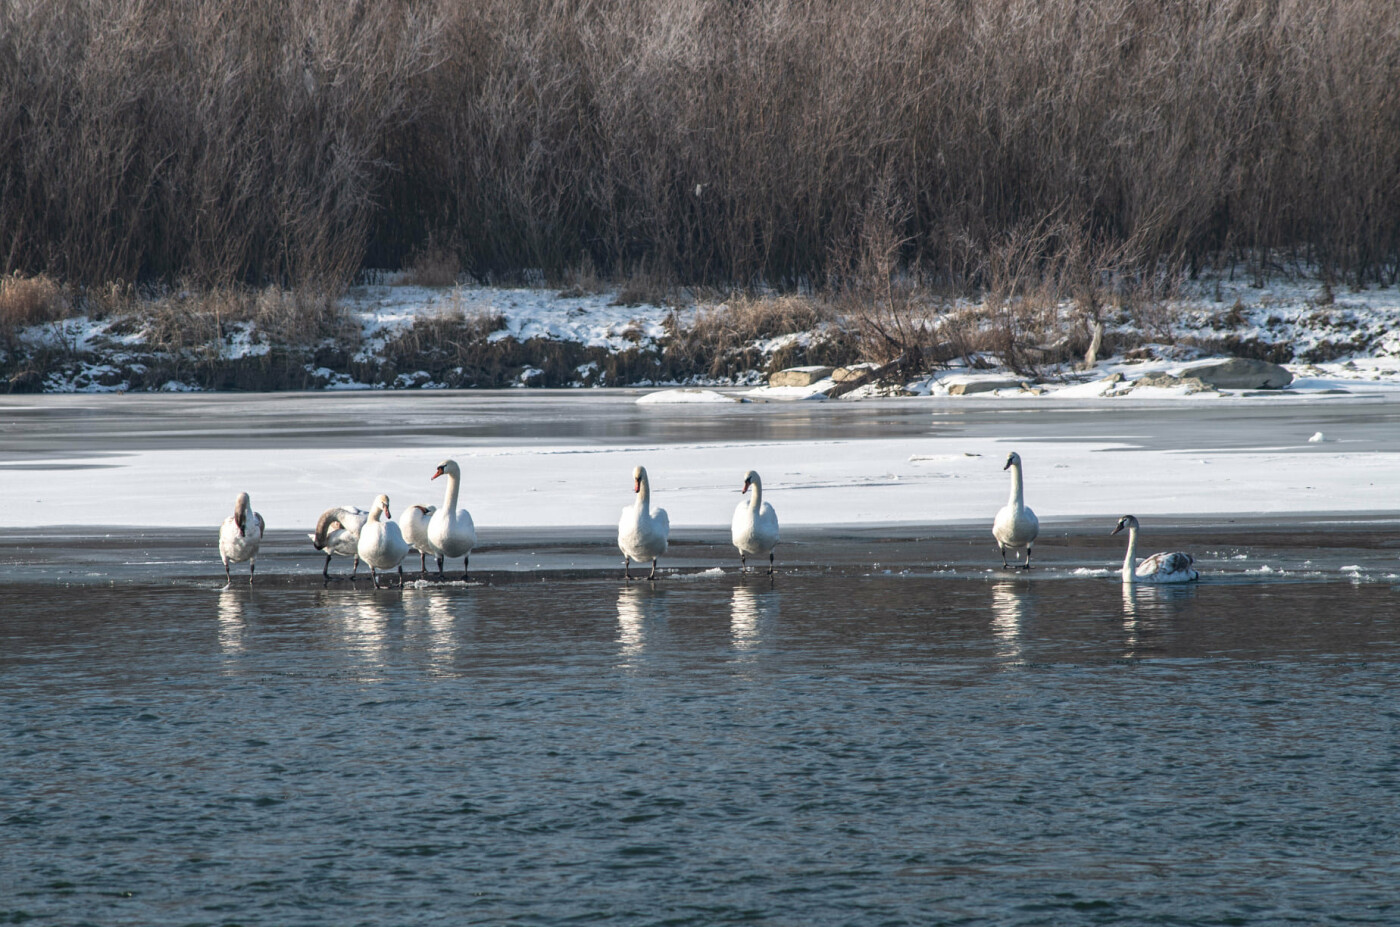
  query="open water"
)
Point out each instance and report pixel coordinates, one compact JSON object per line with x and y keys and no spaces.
{"x":832,"y":747}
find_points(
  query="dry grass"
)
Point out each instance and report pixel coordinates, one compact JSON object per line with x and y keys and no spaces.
{"x":28,"y":301}
{"x":705,"y":141}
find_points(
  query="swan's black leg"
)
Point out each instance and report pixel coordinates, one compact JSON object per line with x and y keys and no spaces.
{"x":627,"y":568}
{"x":743,"y":563}
{"x":422,"y":565}
{"x":326,"y":570}
{"x":652,"y":575}
{"x":440,"y":576}
{"x":373,"y":576}
{"x":1004,"y":564}
{"x":1028,"y":557}
{"x":770,"y":563}
{"x":228,"y":579}
{"x":355,"y":573}
{"x":400,"y":575}
{"x":252,"y":566}
{"x":466,"y":568}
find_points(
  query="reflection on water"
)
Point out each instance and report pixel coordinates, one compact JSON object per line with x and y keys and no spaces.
{"x":232,"y":622}
{"x":750,"y":614}
{"x":1009,"y":613}
{"x":639,"y":607}
{"x":1149,"y":610}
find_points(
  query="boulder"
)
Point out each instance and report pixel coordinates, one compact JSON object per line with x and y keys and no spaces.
{"x":1168,"y":381}
{"x":853,"y":372}
{"x":981,"y":385}
{"x":1242,"y":373}
{"x":799,"y":376}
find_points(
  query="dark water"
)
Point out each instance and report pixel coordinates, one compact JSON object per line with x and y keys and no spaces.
{"x":833,"y":748}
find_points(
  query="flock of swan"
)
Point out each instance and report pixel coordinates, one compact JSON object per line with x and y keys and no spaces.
{"x":446,"y":533}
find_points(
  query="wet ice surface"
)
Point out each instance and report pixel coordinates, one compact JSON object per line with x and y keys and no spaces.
{"x":893,"y":730}
{"x":831,"y":747}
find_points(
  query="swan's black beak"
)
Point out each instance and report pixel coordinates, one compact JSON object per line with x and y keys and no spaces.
{"x":1008,"y":464}
{"x":1116,"y":530}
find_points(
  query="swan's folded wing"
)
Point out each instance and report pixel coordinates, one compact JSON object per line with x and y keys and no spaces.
{"x":663,"y":521}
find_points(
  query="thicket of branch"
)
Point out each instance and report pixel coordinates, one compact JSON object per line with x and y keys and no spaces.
{"x":295,"y":141}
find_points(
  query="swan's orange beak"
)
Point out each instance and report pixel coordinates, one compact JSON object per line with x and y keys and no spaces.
{"x":636,"y":485}
{"x":437,"y":473}
{"x":747,"y":484}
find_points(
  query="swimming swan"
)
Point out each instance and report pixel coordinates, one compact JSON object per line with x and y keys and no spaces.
{"x":413,"y":524}
{"x":240,"y":536}
{"x":451,"y":533}
{"x":754,"y":529}
{"x":642,"y":531}
{"x":381,"y":542}
{"x":338,"y":532}
{"x":1016,"y":526}
{"x":1164,"y":567}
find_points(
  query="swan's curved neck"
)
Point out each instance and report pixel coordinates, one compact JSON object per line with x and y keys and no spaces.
{"x":644,"y":494}
{"x":1017,"y":499}
{"x":756,"y":502}
{"x":449,"y":499}
{"x":1130,"y":560}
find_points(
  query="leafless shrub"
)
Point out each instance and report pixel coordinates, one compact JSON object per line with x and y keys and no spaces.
{"x":294,"y":141}
{"x":433,"y":266}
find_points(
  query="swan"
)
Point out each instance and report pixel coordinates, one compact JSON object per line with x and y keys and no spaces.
{"x":240,"y":536}
{"x":754,"y":529}
{"x":413,"y":524}
{"x":338,"y":532}
{"x":451,"y":533}
{"x":642,"y":530}
{"x":381,"y":542}
{"x":1165,"y":567}
{"x":1016,"y":525}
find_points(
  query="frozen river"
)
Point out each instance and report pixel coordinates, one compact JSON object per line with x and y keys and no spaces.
{"x":891,"y":731}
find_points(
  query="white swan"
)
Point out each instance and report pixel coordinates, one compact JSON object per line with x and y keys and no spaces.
{"x":240,"y":536}
{"x":338,"y":532}
{"x":381,"y":542}
{"x":451,"y":533}
{"x":413,"y":524}
{"x":754,"y":529}
{"x":1016,"y":526}
{"x":642,"y":531}
{"x":1165,"y":567}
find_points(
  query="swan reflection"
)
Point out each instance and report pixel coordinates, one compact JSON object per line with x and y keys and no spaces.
{"x":1009,"y":612}
{"x":1152,"y":608}
{"x":750,"y":614}
{"x":639,"y":608}
{"x":232,"y":620}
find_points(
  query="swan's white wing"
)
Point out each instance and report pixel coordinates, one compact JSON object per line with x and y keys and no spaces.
{"x":663,"y":522}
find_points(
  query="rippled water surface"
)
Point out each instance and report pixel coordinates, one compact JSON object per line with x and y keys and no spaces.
{"x":832,"y":748}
